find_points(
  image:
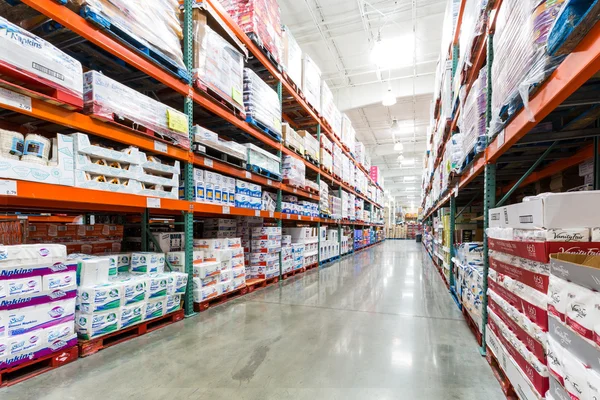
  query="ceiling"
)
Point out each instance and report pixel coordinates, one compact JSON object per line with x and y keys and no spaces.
{"x":339,"y":35}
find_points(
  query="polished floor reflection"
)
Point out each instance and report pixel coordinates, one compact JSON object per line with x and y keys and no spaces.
{"x":377,"y":325}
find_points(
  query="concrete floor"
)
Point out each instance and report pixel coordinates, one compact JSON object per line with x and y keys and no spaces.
{"x":378,"y":325}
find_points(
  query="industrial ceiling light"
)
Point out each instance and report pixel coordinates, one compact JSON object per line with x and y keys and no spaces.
{"x":388,"y":98}
{"x":395,"y":125}
{"x":400,"y":158}
{"x":408,"y":161}
{"x":398,"y":146}
{"x":393,"y":53}
{"x":409,"y":178}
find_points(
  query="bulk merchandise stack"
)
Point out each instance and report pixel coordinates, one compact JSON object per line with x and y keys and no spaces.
{"x":130,"y":208}
{"x":541,"y":300}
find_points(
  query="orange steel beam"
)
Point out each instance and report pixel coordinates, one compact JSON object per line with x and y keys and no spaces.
{"x":299,"y":192}
{"x":553,"y":168}
{"x":461,"y":12}
{"x":574,"y":71}
{"x":219,"y":166}
{"x":87,"y":124}
{"x":79,"y":25}
{"x":44,"y":196}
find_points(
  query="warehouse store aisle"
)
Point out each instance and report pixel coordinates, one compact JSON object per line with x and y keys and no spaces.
{"x":378,"y":325}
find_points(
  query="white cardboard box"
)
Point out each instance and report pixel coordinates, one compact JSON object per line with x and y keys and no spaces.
{"x":557,"y":210}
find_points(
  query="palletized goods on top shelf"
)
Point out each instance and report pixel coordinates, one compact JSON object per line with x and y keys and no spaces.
{"x":311,"y":82}
{"x":472,"y":119}
{"x":261,"y":20}
{"x":218,"y":64}
{"x":292,"y":56}
{"x":262,"y":103}
{"x":520,"y":59}
{"x":60,"y":72}
{"x":153,"y":23}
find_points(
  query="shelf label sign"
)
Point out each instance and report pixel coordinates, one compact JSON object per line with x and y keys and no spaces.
{"x":456,"y":191}
{"x":299,"y":217}
{"x":236,"y":95}
{"x":177,"y":121}
{"x":248,"y":175}
{"x":226,"y":210}
{"x":288,"y":216}
{"x":15,"y":100}
{"x":269,"y":182}
{"x":295,"y":190}
{"x":8,"y":188}
{"x":271,"y":214}
{"x":501,"y":138}
{"x":257,"y":213}
{"x":208,"y":162}
{"x":160,"y":146}
{"x":152,"y":202}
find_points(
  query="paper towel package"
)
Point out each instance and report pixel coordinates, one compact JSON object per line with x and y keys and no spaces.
{"x":207,"y":293}
{"x":173,"y":303}
{"x":177,"y":283}
{"x":155,"y":308}
{"x":209,"y":244}
{"x":211,"y":280}
{"x":134,"y":289}
{"x":123,"y":261}
{"x":132,"y":314}
{"x":100,"y":298}
{"x":29,"y":319}
{"x":226,"y":275}
{"x":147,"y":263}
{"x":156,"y":286}
{"x":93,"y":271}
{"x":64,"y":281}
{"x":177,"y":258}
{"x":238,"y":283}
{"x":59,"y":332}
{"x":15,"y":287}
{"x":239,"y":272}
{"x":207,"y":269}
{"x":92,"y":325}
{"x":217,"y":255}
{"x":22,"y":261}
{"x":568,"y":235}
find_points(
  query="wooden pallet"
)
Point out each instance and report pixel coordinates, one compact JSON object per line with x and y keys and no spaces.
{"x":311,"y":266}
{"x":505,"y":385}
{"x":312,"y":160}
{"x":224,"y":298}
{"x":207,"y":151}
{"x":311,"y":190}
{"x":293,"y":148}
{"x":92,"y":346}
{"x":263,"y":172}
{"x":291,"y":82}
{"x":292,"y":273}
{"x":255,"y":284}
{"x":30,"y":369}
{"x":114,"y":119}
{"x":28,"y":84}
{"x":264,"y":128}
{"x":236,"y":109}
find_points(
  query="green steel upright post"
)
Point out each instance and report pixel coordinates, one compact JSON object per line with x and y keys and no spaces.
{"x":188,"y":216}
{"x":279,"y":193}
{"x":451,"y":239}
{"x":455,"y":55}
{"x":489,"y":196}
{"x":319,"y":208}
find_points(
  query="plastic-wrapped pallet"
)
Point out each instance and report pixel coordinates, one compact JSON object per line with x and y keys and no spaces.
{"x":328,"y":107}
{"x":311,"y":145}
{"x":292,"y":56}
{"x":324,"y":199}
{"x":108,"y":99}
{"x":472,"y":30}
{"x":262,"y":103}
{"x":294,"y":171}
{"x":311,"y":82}
{"x":520,"y":59}
{"x":264,"y":256}
{"x":337,"y":160}
{"x":359,"y":152}
{"x":54,"y":68}
{"x":291,"y":138}
{"x":263,"y":159}
{"x":472,"y":120}
{"x":218,"y":64}
{"x":153,"y":23}
{"x":348,"y":133}
{"x":261,"y":20}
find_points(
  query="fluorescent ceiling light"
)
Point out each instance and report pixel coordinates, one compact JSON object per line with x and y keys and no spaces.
{"x":409,"y":179}
{"x":393,"y":52}
{"x":408,"y":161}
{"x":389,"y":99}
{"x":410,"y":189}
{"x":398,"y":147}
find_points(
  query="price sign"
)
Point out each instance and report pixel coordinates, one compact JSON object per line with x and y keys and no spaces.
{"x":501,"y":138}
{"x":271,"y":214}
{"x":226,"y":210}
{"x":248,"y":175}
{"x":15,"y":100}
{"x":160,"y":146}
{"x":299,"y":217}
{"x":310,"y":195}
{"x":269,"y":182}
{"x":152,"y":202}
{"x":8,"y":188}
{"x":288,"y":216}
{"x":236,"y":95}
{"x":257,"y":213}
{"x":208,"y":162}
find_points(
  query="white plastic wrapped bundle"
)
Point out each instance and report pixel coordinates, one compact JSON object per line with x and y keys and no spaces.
{"x":37,"y":149}
{"x":520,"y":59}
{"x":294,"y":171}
{"x":107,"y":98}
{"x":471,"y":27}
{"x":11,"y":144}
{"x":155,"y":23}
{"x":218,"y":64}
{"x":472,"y":118}
{"x":446,"y":96}
{"x":39,"y":60}
{"x":311,"y":82}
{"x":324,"y":198}
{"x":327,"y":104}
{"x":262,"y":103}
{"x":292,"y":56}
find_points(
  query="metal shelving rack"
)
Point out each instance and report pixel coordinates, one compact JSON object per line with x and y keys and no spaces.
{"x":516,"y":156}
{"x":38,"y":196}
